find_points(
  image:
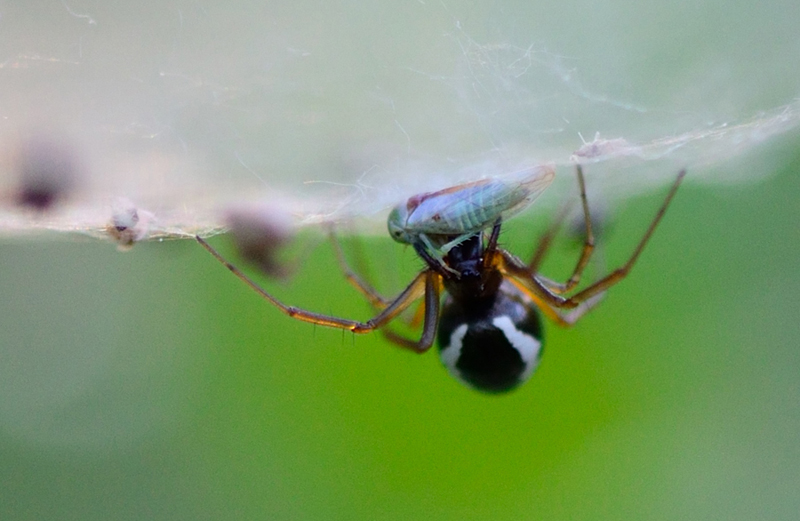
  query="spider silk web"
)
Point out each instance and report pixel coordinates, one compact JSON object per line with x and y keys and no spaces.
{"x":153,"y":120}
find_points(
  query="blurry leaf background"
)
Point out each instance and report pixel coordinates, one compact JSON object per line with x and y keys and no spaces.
{"x":155,"y":385}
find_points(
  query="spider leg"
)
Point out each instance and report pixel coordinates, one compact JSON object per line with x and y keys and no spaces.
{"x":546,"y":297}
{"x":588,"y":240}
{"x":377,"y":301}
{"x":419,"y":314}
{"x":620,"y":273}
{"x":569,"y":319}
{"x":413,"y":291}
{"x":365,"y":288}
{"x":550,"y":306}
{"x":495,"y":235}
{"x":431,"y":320}
{"x":546,"y":240}
{"x":533,"y":285}
{"x":586,"y":252}
{"x":527,"y":281}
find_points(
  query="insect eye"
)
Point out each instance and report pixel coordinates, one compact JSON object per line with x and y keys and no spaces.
{"x":395,"y":226}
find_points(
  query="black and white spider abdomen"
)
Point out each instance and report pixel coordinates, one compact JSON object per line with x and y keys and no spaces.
{"x":493,"y":346}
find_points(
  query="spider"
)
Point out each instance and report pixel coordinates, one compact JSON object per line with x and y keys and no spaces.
{"x":488,"y":327}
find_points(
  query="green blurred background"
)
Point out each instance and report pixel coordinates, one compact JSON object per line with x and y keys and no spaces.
{"x":154,"y":385}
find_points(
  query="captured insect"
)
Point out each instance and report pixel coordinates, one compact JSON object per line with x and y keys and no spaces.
{"x":434,"y":223}
{"x":488,"y":327}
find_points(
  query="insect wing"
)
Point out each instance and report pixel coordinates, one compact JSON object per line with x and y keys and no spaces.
{"x":471,"y":207}
{"x":529,"y":185}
